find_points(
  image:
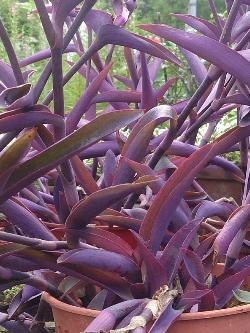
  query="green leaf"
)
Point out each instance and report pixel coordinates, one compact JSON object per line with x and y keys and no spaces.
{"x":17,"y":150}
{"x":242,"y":296}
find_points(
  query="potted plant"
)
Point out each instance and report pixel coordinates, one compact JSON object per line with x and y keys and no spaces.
{"x":104,"y":213}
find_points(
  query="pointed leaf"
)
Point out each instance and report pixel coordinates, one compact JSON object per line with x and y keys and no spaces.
{"x":108,"y":317}
{"x":201,"y":25}
{"x":171,"y":256}
{"x":83,"y":176}
{"x":25,"y":220}
{"x":30,"y":119}
{"x":194,"y":267}
{"x":44,"y":54}
{"x":239,"y":220}
{"x":68,"y":147}
{"x":196,"y":65}
{"x":155,"y":275}
{"x":16,"y":151}
{"x":223,"y":291}
{"x":109,"y":166}
{"x":101,"y":259}
{"x":98,"y":201}
{"x":83,"y":103}
{"x":112,"y":34}
{"x":106,"y":240}
{"x":17,"y":97}
{"x":205,"y":47}
{"x":140,"y":137}
{"x":149,"y":99}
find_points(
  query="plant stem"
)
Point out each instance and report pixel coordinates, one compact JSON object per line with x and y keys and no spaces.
{"x":11,"y":55}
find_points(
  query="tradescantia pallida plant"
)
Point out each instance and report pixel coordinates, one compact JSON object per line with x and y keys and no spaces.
{"x":69,"y":179}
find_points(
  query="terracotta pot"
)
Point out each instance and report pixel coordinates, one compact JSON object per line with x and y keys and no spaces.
{"x":219,"y":183}
{"x":71,"y":319}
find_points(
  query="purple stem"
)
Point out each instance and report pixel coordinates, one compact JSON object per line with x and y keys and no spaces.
{"x":11,"y":55}
{"x":67,"y":39}
{"x":215,"y":14}
{"x":45,"y":20}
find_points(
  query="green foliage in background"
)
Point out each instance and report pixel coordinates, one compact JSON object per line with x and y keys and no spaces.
{"x":23,"y":27}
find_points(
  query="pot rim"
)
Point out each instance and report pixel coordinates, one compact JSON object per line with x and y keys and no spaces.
{"x":186,"y":316}
{"x":55,"y":303}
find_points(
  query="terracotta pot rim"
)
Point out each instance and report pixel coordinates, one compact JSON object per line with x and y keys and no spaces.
{"x":69,"y":308}
{"x":186,"y":316}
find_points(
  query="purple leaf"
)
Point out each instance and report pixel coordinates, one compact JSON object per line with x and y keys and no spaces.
{"x":205,"y":47}
{"x":25,"y":220}
{"x":164,"y":88}
{"x":223,"y":291}
{"x":83,"y":175}
{"x":154,"y":274}
{"x":190,"y":298}
{"x":94,"y":204}
{"x":106,"y":240}
{"x":109,"y":166}
{"x":219,"y":208}
{"x":100,"y":149}
{"x":41,"y":211}
{"x":28,"y":296}
{"x":131,"y":66}
{"x":205,"y":246}
{"x":143,"y":170}
{"x":96,"y":18}
{"x":68,"y":147}
{"x":126,"y":81}
{"x":107,"y":319}
{"x":14,"y":326}
{"x":197,"y":67}
{"x":83,"y":103}
{"x":148,"y":95}
{"x":17,"y":97}
{"x":171,"y":256}
{"x":118,"y":96}
{"x":195,"y":268}
{"x":201,"y":25}
{"x":7,"y":75}
{"x":111,"y":34}
{"x":241,"y":26}
{"x":171,"y":194}
{"x":140,"y":137}
{"x":30,"y":119}
{"x":169,"y":55}
{"x":239,"y":220}
{"x":101,"y":259}
{"x":120,"y":221}
{"x":44,"y":54}
{"x":137,"y":213}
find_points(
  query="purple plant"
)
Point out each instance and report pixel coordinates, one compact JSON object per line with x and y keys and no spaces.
{"x":70,"y":182}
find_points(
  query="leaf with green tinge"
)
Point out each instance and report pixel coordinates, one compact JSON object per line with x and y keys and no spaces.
{"x":84,"y":137}
{"x":242,"y":296}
